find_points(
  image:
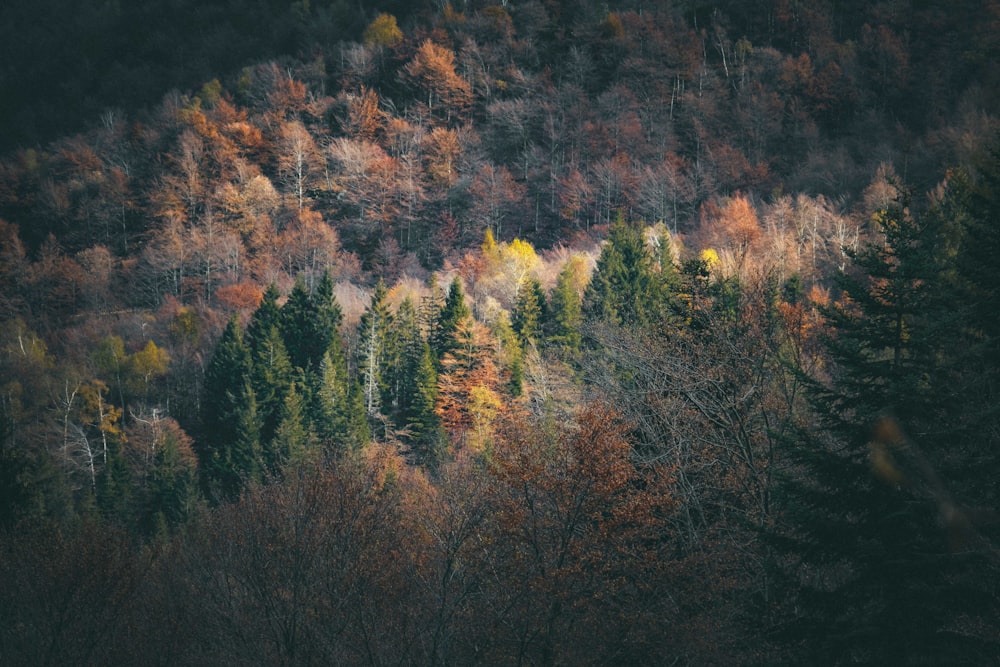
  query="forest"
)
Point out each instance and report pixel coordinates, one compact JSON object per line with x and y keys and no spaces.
{"x":535,"y":332}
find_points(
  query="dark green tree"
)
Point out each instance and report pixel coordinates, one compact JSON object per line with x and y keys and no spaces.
{"x":372,"y":354}
{"x":625,"y":289}
{"x":266,"y":317}
{"x":172,"y":495}
{"x":271,"y":378}
{"x":292,"y":439}
{"x":299,"y":325}
{"x":224,"y":377}
{"x":426,"y":436}
{"x":530,"y":313}
{"x":877,"y":581}
{"x":329,"y":405}
{"x":566,"y":311}
{"x":244,"y":459}
{"x":445,"y":324}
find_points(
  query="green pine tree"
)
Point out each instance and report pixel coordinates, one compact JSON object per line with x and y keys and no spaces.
{"x":271,"y":378}
{"x":876,"y":582}
{"x":223,"y":396}
{"x":292,"y":443}
{"x":445,"y":324}
{"x":530,"y":313}
{"x":566,"y":319}
{"x":373,"y":344}
{"x":625,"y":289}
{"x":298,"y":326}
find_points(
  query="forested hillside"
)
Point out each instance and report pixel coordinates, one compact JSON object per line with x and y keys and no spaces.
{"x":467,"y":333}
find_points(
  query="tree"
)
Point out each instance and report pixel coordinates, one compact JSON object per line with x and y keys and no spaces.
{"x":581,"y":523}
{"x":624,"y":289}
{"x":445,"y":323}
{"x":373,"y":333}
{"x":530,"y":314}
{"x":383,"y":32}
{"x":298,"y":327}
{"x":290,"y":448}
{"x":874,"y":563}
{"x":432,"y":73}
{"x":271,"y":379}
{"x":566,"y":308}
{"x":230,"y":444}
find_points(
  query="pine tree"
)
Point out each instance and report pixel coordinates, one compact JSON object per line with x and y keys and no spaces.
{"x":530,"y":313}
{"x":298,"y":326}
{"x":373,"y":340}
{"x":266,"y":317}
{"x":327,"y":321}
{"x":403,"y":350}
{"x":876,"y":582}
{"x":442,"y":335}
{"x":566,"y":319}
{"x":244,"y":459}
{"x":271,"y":378}
{"x":292,"y":439}
{"x":229,"y":368}
{"x":624,"y":288}
{"x":426,"y":436}
{"x":328,"y":405}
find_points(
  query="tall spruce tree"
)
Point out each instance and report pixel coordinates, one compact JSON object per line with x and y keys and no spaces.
{"x":566,"y":319}
{"x":445,"y":324}
{"x":624,"y":289}
{"x":271,"y":378}
{"x":876,"y":581}
{"x":373,"y":344}
{"x":530,"y":313}
{"x":224,"y":399}
{"x":298,"y":326}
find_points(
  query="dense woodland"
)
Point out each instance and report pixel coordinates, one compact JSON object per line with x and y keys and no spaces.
{"x":534,"y":332}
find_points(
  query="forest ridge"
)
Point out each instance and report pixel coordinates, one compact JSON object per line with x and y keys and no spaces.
{"x":530,"y":332}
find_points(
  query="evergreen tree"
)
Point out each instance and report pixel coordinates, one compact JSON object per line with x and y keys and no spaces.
{"x":876,"y":581}
{"x":327,"y":321}
{"x":266,"y":317}
{"x":329,"y":404}
{"x":373,"y":339}
{"x":624,"y":289}
{"x":357,"y":432}
{"x":298,"y":326}
{"x":113,"y":485}
{"x":229,"y":368}
{"x":530,"y":313}
{"x":271,"y":378}
{"x":292,"y":438}
{"x":444,"y":326}
{"x":426,"y":436}
{"x":567,"y":311}
{"x":172,"y":484}
{"x":244,"y":459}
{"x":404,"y":348}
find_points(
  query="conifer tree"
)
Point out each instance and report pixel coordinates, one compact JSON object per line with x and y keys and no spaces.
{"x":566,"y":311}
{"x":298,"y":326}
{"x":224,"y":377}
{"x":426,"y":435}
{"x":266,"y":317}
{"x":328,"y":408}
{"x":444,"y":326}
{"x":244,"y":459}
{"x":876,"y":580}
{"x":373,"y":341}
{"x":292,"y":439}
{"x":271,"y":378}
{"x":624,"y":288}
{"x":404,"y":348}
{"x":530,"y":313}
